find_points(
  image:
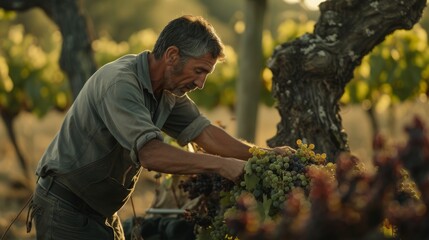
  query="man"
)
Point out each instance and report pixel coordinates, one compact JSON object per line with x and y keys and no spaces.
{"x":114,"y":128}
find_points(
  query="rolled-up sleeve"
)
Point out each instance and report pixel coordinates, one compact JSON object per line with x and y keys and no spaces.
{"x":141,"y":141}
{"x":185,"y":122}
{"x":193,"y":130}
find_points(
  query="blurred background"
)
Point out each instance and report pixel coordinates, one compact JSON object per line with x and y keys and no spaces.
{"x":388,"y":90}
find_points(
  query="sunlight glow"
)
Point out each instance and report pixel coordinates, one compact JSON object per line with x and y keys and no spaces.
{"x":311,"y":4}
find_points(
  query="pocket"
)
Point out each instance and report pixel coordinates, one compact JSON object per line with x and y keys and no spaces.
{"x":67,"y":217}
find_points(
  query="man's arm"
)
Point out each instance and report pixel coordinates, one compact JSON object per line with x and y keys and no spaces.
{"x":215,"y":140}
{"x":161,"y":157}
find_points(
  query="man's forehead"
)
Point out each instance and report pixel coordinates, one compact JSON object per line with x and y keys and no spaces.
{"x":207,"y":62}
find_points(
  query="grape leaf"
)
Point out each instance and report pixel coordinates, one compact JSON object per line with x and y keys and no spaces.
{"x":251,"y":181}
{"x":203,"y":234}
{"x":248,"y":168}
{"x":264,"y":207}
{"x":225,"y":199}
{"x":266,"y":203}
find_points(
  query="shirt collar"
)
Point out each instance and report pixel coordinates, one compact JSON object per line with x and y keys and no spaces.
{"x":144,"y":77}
{"x":143,"y":71}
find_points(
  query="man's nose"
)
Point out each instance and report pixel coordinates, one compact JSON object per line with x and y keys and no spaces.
{"x":200,"y":82}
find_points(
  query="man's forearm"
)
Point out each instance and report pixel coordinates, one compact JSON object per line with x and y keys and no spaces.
{"x":161,"y":157}
{"x":215,"y":140}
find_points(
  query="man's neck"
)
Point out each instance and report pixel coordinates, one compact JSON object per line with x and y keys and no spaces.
{"x":156,"y":72}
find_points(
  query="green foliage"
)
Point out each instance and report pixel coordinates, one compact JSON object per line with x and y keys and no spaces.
{"x":290,"y":29}
{"x":107,"y":50}
{"x":395,"y":71}
{"x":135,"y":15}
{"x":31,"y":80}
{"x":268,"y":180}
{"x":220,"y":85}
{"x":7,"y":15}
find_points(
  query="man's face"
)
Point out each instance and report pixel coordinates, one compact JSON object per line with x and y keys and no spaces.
{"x":187,"y":76}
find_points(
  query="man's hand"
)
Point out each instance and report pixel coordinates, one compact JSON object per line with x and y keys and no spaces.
{"x":232,"y":169}
{"x":284,"y":150}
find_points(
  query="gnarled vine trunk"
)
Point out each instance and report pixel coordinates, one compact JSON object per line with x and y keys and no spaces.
{"x":311,"y":72}
{"x":76,"y":60}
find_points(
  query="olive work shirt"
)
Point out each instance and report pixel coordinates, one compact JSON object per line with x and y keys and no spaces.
{"x":113,"y":116}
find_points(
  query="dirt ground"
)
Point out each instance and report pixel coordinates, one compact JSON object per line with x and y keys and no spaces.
{"x":35,"y":134}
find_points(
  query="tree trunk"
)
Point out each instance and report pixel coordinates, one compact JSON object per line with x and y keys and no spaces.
{"x":375,"y":128}
{"x":250,"y":68}
{"x":8,"y":120}
{"x":76,"y":59}
{"x":311,"y":72}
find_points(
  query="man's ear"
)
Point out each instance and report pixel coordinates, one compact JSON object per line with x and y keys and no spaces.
{"x":171,"y":55}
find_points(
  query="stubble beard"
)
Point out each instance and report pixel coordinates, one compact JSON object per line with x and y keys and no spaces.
{"x":177,"y":71}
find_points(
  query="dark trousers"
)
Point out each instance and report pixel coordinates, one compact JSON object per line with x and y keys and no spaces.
{"x":55,"y":218}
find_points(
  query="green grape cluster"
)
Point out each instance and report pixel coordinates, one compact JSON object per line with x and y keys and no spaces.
{"x":269,"y":177}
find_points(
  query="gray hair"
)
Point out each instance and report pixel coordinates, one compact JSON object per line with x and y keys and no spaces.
{"x":192,"y":35}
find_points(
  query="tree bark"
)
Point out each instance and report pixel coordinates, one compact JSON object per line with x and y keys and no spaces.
{"x":77,"y":56}
{"x":250,"y":68}
{"x":311,"y":72}
{"x":375,"y":128}
{"x":8,"y":120}
{"x":76,"y":60}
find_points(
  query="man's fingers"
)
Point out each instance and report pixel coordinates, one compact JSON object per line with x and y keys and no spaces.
{"x":284,"y":150}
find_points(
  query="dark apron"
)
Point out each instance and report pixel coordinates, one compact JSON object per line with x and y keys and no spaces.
{"x":107,"y":184}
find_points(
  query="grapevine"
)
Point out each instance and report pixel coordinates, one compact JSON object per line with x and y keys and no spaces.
{"x":270,"y":177}
{"x":390,"y":203}
{"x":207,"y":188}
{"x":299,"y":195}
{"x":267,"y":180}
